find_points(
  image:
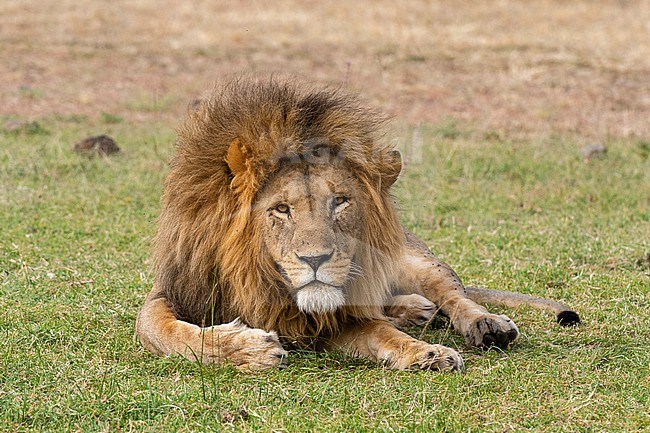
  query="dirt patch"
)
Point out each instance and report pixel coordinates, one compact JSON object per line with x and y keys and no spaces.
{"x":576,"y":67}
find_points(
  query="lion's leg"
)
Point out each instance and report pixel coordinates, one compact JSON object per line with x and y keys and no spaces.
{"x":381,"y":342}
{"x":424,"y":273}
{"x":247,"y":348}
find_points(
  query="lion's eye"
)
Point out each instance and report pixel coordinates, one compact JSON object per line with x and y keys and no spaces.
{"x":282,"y":208}
{"x":340,"y":200}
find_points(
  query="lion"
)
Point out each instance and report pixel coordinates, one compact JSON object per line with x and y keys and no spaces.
{"x":278,"y":231}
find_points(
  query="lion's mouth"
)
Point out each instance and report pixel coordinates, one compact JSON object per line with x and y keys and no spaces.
{"x":318,"y":297}
{"x":307,"y":279}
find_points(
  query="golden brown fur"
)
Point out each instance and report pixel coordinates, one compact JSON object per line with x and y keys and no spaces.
{"x":277,"y":228}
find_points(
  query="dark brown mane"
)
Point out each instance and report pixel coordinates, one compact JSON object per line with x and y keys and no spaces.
{"x":209,"y":259}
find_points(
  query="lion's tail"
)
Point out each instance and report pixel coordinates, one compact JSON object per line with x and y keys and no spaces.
{"x":565,"y":315}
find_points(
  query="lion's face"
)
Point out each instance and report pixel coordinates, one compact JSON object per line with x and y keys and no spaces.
{"x":309,"y":216}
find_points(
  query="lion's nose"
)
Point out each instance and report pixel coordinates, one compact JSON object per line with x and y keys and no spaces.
{"x":315,"y":261}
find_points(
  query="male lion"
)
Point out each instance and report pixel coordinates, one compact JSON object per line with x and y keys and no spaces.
{"x":278,"y":230}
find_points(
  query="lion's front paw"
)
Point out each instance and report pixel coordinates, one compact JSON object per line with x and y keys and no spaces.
{"x":424,"y":356}
{"x":491,"y":330}
{"x":262,"y":351}
{"x":410,"y":310}
{"x":437,"y":357}
{"x":248,"y":349}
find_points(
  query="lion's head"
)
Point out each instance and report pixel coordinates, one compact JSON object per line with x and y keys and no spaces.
{"x":308,"y":222}
{"x":277,"y":210}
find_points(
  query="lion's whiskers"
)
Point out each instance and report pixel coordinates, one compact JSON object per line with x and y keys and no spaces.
{"x":355,"y":271}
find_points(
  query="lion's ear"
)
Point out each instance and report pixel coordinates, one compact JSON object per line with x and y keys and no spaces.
{"x":243,"y":178}
{"x":394,"y":166}
{"x":236,"y":158}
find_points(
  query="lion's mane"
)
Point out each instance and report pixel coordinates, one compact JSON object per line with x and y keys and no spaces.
{"x":210,"y":261}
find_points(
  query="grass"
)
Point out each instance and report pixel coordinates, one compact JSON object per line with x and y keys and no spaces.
{"x":505,"y":96}
{"x":526,"y":214}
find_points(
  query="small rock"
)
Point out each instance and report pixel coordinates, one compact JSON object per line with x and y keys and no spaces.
{"x":555,"y":284}
{"x":103,"y":145}
{"x":593,"y":151}
{"x":230,"y":417}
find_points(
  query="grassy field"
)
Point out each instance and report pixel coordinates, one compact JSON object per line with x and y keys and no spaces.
{"x":493,"y":102}
{"x":523,"y":215}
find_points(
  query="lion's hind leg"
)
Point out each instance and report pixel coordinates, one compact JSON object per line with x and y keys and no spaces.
{"x":246,"y":348}
{"x":425,"y":273}
{"x":410,"y":310}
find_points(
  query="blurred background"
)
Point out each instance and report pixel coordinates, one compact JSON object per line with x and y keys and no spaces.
{"x":517,"y":67}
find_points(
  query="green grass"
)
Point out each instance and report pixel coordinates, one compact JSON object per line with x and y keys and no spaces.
{"x":525,"y":215}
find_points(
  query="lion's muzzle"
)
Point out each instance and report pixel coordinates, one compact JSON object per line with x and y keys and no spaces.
{"x":318,"y":297}
{"x":319,"y":284}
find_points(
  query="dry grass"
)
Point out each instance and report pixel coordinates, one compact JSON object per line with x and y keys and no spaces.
{"x":577,"y":67}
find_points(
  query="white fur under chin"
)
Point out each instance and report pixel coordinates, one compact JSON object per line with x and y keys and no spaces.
{"x":319,"y":298}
